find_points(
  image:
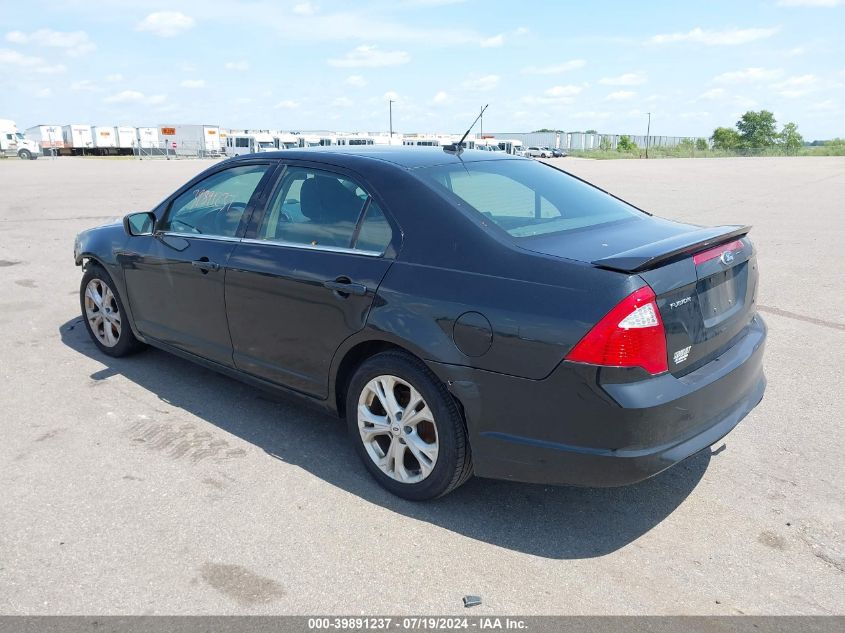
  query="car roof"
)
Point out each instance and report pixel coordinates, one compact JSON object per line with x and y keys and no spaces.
{"x":402,"y":156}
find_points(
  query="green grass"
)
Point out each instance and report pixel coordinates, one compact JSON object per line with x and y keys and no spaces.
{"x":686,"y":152}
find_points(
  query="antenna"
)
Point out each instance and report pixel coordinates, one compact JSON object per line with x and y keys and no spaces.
{"x":458,"y":147}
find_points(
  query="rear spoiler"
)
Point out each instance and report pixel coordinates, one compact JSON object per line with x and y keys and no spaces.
{"x":652,"y":255}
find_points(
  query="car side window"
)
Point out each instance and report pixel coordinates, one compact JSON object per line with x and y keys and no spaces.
{"x":313,"y":207}
{"x":375,"y":232}
{"x":215,"y":205}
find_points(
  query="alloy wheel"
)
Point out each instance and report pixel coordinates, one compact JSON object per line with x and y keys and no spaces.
{"x":398,"y":429}
{"x":102,"y":312}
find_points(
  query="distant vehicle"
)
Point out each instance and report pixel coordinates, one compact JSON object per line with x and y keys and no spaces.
{"x":249,"y":143}
{"x":192,"y":140}
{"x":14,"y":143}
{"x":465,"y":312}
{"x":105,"y":139}
{"x":148,"y":138}
{"x":537,"y":152}
{"x":78,"y":139}
{"x":48,"y":137}
{"x":558,"y":153}
{"x":285,"y":140}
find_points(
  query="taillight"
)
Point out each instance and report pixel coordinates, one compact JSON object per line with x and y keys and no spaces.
{"x":630,"y":335}
{"x":716,"y":251}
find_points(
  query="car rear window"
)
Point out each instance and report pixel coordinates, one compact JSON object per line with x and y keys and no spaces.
{"x":526,"y":197}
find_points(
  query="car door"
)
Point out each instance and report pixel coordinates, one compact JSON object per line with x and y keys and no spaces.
{"x":305,"y":277}
{"x":174,"y":278}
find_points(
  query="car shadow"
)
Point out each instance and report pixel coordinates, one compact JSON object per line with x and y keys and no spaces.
{"x":546,"y":521}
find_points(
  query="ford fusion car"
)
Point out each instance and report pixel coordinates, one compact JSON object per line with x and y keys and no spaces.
{"x":465,"y":312}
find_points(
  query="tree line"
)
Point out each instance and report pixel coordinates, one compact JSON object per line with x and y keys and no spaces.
{"x":757,"y":130}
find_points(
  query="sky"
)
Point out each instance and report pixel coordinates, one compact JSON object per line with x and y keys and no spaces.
{"x":330,"y":64}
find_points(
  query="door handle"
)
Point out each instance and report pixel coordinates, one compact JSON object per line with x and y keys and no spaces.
{"x":346,"y":287}
{"x":204,"y":265}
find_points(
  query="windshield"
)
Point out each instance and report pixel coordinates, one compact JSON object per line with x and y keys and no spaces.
{"x":527,"y":198}
{"x":266,"y":144}
{"x":19,"y":135}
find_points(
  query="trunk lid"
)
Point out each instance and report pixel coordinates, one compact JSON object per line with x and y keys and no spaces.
{"x":705,"y":279}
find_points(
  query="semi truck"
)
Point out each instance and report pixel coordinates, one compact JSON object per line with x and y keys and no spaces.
{"x":14,"y":143}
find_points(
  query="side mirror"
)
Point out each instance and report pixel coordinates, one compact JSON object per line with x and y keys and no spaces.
{"x":136,"y":224}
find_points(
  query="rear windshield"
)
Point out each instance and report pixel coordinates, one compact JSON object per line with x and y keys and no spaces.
{"x":526,"y":197}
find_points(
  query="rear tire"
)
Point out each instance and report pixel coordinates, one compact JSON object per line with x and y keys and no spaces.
{"x":104,"y":315}
{"x":406,"y":427}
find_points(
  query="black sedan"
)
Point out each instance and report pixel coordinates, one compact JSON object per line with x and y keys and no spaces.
{"x":466,"y":312}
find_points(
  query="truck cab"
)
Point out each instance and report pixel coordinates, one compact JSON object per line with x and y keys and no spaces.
{"x":14,"y":143}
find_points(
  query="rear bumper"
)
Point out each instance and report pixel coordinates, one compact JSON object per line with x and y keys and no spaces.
{"x":571,"y":428}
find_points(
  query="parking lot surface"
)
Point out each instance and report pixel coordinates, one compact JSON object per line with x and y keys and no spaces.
{"x":148,"y":485}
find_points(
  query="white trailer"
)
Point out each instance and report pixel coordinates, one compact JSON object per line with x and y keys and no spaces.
{"x":13,"y":143}
{"x":127,"y":139}
{"x":148,"y":138}
{"x":202,"y":141}
{"x":48,"y":137}
{"x":78,"y":139}
{"x":105,"y":139}
{"x":237,"y":144}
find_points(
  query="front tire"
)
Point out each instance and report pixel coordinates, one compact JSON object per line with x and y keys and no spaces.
{"x":25,"y":154}
{"x":406,"y":427}
{"x":104,"y":315}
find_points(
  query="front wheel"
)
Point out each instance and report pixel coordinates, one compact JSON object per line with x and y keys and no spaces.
{"x":104,"y":315}
{"x":25,"y":154}
{"x":406,"y":428}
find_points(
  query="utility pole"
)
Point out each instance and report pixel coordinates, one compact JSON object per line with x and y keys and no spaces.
{"x":648,"y":134}
{"x":481,"y":133}
{"x":390,"y":106}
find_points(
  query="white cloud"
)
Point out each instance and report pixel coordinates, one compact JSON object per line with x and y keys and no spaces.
{"x":487,"y":82}
{"x":193,"y":83}
{"x":356,"y":80}
{"x":796,"y":86}
{"x":166,"y":23}
{"x":493,"y":42}
{"x":564,"y":91}
{"x":809,"y":3}
{"x":74,"y":43}
{"x":114,"y":78}
{"x":43,"y":93}
{"x":126,"y":96}
{"x":18,"y":60}
{"x":626,"y":79}
{"x":134,"y":96}
{"x":713,"y":93}
{"x":238,"y":65}
{"x":287,"y":104}
{"x":441,"y":98}
{"x":391,"y":95}
{"x":85,"y":85}
{"x":304,"y":8}
{"x":727,"y":37}
{"x":554,"y":69}
{"x":828,"y":105}
{"x":748,"y":75}
{"x":621,"y":95}
{"x":51,"y":70}
{"x":370,"y":57}
{"x":343,"y":102}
